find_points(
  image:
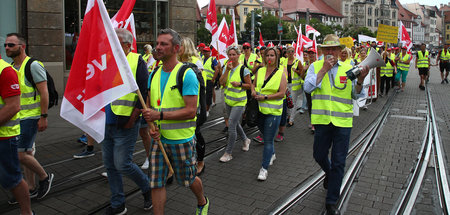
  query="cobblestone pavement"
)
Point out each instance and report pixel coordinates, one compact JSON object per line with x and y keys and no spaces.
{"x":232,"y":187}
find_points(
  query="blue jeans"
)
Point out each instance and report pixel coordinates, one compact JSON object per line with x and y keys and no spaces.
{"x":28,"y":131}
{"x":336,"y":138}
{"x":10,"y":174}
{"x":268,"y":126}
{"x":118,"y":148}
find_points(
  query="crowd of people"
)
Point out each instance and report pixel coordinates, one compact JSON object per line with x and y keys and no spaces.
{"x":281,"y":84}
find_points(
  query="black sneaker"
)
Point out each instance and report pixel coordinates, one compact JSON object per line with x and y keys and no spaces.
{"x":225,"y":129}
{"x":44,"y":186}
{"x":446,"y":80}
{"x":116,"y":211}
{"x":147,"y":200}
{"x":443,"y":82}
{"x":33,"y":194}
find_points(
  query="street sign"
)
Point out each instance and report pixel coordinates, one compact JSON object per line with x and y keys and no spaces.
{"x":347,"y":41}
{"x":280,"y":29}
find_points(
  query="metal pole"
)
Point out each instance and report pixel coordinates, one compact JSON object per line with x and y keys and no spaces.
{"x":253,"y":29}
{"x":307,"y":16}
{"x":155,"y":24}
{"x":279,"y":15}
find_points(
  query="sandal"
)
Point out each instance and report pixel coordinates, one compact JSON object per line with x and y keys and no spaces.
{"x":290,"y":124}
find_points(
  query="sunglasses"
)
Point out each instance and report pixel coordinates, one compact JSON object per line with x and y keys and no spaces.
{"x":290,"y":51}
{"x":10,"y":45}
{"x":245,"y":47}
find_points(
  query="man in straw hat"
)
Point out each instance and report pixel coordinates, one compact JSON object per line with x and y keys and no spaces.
{"x":332,"y":116}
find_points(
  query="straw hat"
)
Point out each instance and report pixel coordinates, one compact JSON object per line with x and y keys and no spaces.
{"x":331,"y":40}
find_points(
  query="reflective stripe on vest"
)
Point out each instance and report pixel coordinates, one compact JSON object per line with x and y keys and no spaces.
{"x":124,"y":105}
{"x":297,"y":81}
{"x":329,"y":104}
{"x":422,"y":60}
{"x":208,"y":69}
{"x":12,"y":127}
{"x":171,"y":100}
{"x":403,"y":66}
{"x":29,"y":107}
{"x":250,"y":62}
{"x":445,"y":55}
{"x":235,"y":96}
{"x":275,"y":106}
{"x":388,"y":70}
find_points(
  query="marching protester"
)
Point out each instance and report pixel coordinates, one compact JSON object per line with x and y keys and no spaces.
{"x":444,"y":63}
{"x":147,"y":53}
{"x":211,"y":69}
{"x":294,"y":69}
{"x":269,"y":88}
{"x":249,"y":59}
{"x":387,"y":72}
{"x":175,"y":116}
{"x":402,"y":61}
{"x":121,"y":130}
{"x":345,"y":56}
{"x":235,"y":99}
{"x":332,"y":114}
{"x":34,"y":101}
{"x":311,"y":59}
{"x":423,"y":64}
{"x":11,"y":176}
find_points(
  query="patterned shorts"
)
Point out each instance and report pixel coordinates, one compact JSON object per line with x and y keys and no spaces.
{"x":183,"y":158}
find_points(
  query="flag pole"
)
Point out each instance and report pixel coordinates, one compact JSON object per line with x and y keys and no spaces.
{"x":152,"y":127}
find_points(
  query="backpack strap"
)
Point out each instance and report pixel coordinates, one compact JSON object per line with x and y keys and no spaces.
{"x":242,"y":74}
{"x":180,"y":76}
{"x":28,"y":75}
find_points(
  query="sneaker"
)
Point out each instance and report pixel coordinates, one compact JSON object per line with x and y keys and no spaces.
{"x":262,"y":174}
{"x":44,"y":186}
{"x":83,"y":139}
{"x":203,"y":210}
{"x":33,"y":193}
{"x":246,"y":145}
{"x":145,"y":164}
{"x":225,"y":157}
{"x":442,"y":82}
{"x":84,"y":154}
{"x":279,"y":138}
{"x":213,"y":104}
{"x":207,"y":113}
{"x":225,"y":130}
{"x":381,"y":94}
{"x":104,"y":174}
{"x":272,"y":159}
{"x":116,"y":211}
{"x":147,"y":200}
{"x":313,"y":130}
{"x":258,"y":139}
{"x":446,"y":80}
{"x":301,"y":111}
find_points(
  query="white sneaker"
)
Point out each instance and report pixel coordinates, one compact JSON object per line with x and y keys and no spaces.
{"x":226,"y":157}
{"x":213,"y":104}
{"x":207,"y":113}
{"x":104,"y":174}
{"x":262,"y":174}
{"x":146,"y":164}
{"x":246,"y":145}
{"x":272,"y":159}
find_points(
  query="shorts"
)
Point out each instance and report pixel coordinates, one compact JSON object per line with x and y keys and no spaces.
{"x":183,"y":158}
{"x":402,"y":74}
{"x":423,"y":71}
{"x":444,"y":66}
{"x":209,"y":92}
{"x":28,"y":131}
{"x":10,"y":174}
{"x":143,"y":123}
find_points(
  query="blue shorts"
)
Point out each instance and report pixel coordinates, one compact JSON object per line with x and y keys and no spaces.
{"x":10,"y":174}
{"x":28,"y":131}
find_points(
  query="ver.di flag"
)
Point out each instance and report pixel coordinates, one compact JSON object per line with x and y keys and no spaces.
{"x":299,"y":48}
{"x":222,"y":41}
{"x":124,"y":18}
{"x":232,"y":38}
{"x":99,"y":75}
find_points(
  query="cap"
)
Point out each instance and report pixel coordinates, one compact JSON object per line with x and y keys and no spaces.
{"x":206,"y":49}
{"x":201,"y":45}
{"x":246,"y":44}
{"x":311,"y":50}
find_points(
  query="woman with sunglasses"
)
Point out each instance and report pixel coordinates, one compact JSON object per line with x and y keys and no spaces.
{"x":294,"y":69}
{"x":235,"y":99}
{"x":269,"y":88}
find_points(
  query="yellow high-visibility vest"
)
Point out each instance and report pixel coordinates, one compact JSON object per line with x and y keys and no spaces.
{"x":29,"y":106}
{"x":12,"y":127}
{"x":403,"y":66}
{"x":422,"y":60}
{"x":235,"y":96}
{"x":124,"y":105}
{"x":273,"y":106}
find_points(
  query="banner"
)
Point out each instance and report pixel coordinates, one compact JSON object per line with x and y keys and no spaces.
{"x":100,"y":73}
{"x":222,"y":41}
{"x":387,"y":33}
{"x":364,"y":38}
{"x":347,"y":41}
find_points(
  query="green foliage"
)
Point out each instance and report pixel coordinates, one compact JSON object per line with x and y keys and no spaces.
{"x":269,"y":28}
{"x":353,"y":31}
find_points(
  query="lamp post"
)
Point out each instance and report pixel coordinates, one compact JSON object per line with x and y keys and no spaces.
{"x":279,"y":21}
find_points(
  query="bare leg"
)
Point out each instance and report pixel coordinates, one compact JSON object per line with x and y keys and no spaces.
{"x":158,"y":200}
{"x":28,"y":160}
{"x":197,"y":189}
{"x":146,"y":139}
{"x":20,"y":193}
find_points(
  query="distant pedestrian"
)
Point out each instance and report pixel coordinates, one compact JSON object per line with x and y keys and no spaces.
{"x":10,"y":174}
{"x":269,"y":88}
{"x":444,"y":63}
{"x":332,"y":114}
{"x":423,"y":64}
{"x":402,"y":60}
{"x":387,"y":72}
{"x":33,"y":113}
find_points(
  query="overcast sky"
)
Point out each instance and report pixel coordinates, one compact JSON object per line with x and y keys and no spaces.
{"x":202,"y":3}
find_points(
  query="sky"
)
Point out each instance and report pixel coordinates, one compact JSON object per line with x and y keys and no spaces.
{"x":202,"y":3}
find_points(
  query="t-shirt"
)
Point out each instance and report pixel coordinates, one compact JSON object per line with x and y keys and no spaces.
{"x":9,"y":86}
{"x":37,"y":72}
{"x":190,"y":88}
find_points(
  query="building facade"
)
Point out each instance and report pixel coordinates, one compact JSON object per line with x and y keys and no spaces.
{"x":430,"y":18}
{"x":52,"y":27}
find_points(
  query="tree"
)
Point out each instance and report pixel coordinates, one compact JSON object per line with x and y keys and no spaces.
{"x":269,"y":28}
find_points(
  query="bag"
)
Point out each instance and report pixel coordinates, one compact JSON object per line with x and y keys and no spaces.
{"x":289,"y":101}
{"x":251,"y":112}
{"x":52,"y":93}
{"x":201,"y":110}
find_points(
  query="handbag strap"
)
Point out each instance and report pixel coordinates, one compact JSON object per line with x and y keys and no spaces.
{"x":268,"y":78}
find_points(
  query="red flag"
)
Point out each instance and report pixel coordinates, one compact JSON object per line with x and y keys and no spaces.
{"x":405,"y":39}
{"x":129,"y":25}
{"x":123,"y":14}
{"x":307,"y":42}
{"x":99,"y":75}
{"x":232,"y":38}
{"x":261,"y":41}
{"x":222,"y":40}
{"x":211,"y":18}
{"x":299,"y":49}
{"x":270,"y":44}
{"x":310,"y":30}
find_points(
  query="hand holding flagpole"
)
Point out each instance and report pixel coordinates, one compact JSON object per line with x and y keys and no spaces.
{"x":152,"y":127}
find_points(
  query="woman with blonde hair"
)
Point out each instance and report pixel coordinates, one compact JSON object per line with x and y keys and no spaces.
{"x":269,"y":88}
{"x":346,"y":56}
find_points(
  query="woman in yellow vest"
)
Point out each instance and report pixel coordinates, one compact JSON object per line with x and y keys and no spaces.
{"x":235,"y":99}
{"x":402,"y":61}
{"x":362,"y":55}
{"x":269,"y":88}
{"x":387,"y":72}
{"x":294,"y":69}
{"x":345,"y":56}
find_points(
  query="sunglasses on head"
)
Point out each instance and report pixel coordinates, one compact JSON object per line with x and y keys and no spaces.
{"x":10,"y":45}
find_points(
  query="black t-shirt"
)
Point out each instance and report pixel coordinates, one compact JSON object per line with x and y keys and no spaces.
{"x":289,"y":67}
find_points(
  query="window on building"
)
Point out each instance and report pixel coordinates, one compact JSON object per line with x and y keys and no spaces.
{"x":376,"y":23}
{"x":223,"y":10}
{"x":346,"y":8}
{"x":376,"y":12}
{"x":245,"y":11}
{"x":448,"y":27}
{"x":272,"y":12}
{"x":9,"y":12}
{"x":448,"y":37}
{"x":369,"y":22}
{"x":393,"y":23}
{"x":369,"y":11}
{"x":231,"y":11}
{"x":393,"y":15}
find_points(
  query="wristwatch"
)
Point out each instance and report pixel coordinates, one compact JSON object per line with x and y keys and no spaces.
{"x":44,"y":115}
{"x":265,"y":97}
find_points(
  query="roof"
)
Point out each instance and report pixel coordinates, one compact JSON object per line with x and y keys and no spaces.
{"x":197,"y":14}
{"x":445,"y":8}
{"x":447,"y":16}
{"x":404,"y":14}
{"x":222,"y":3}
{"x":315,"y":6}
